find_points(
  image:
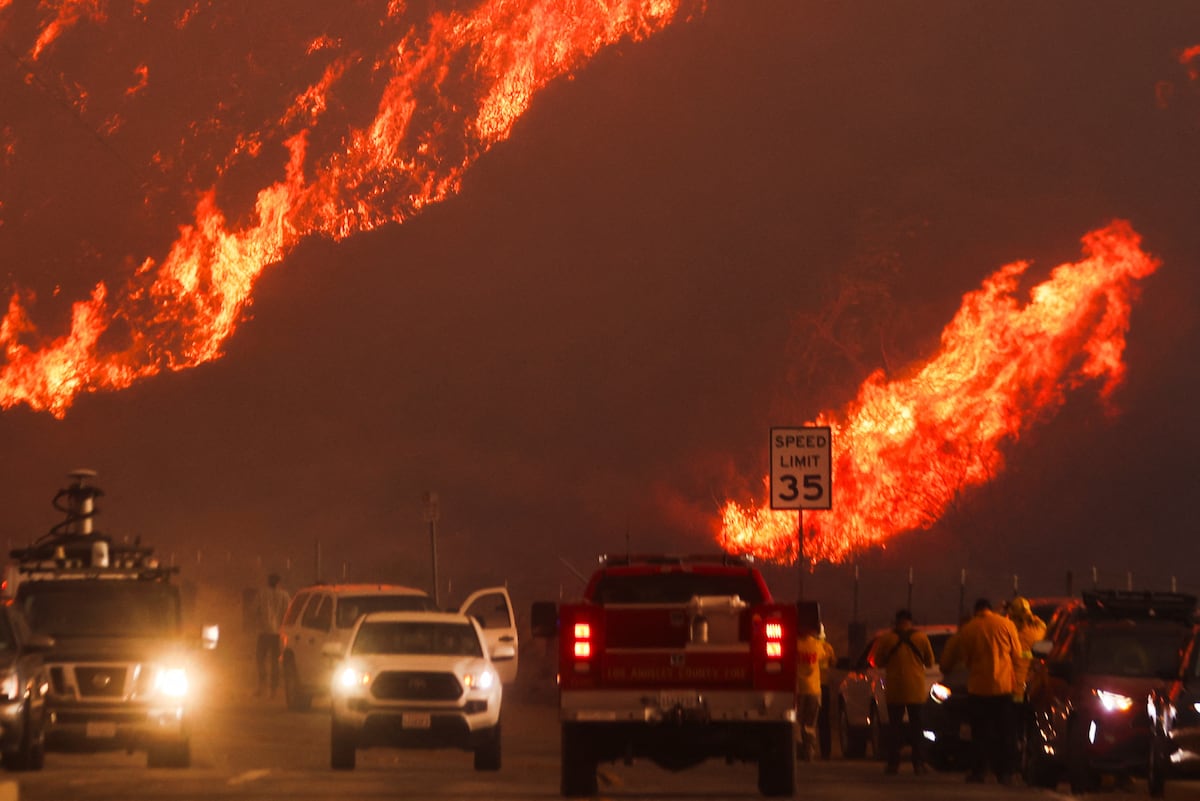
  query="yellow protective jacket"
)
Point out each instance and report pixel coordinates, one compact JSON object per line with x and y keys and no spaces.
{"x":1029,"y":630}
{"x":903,"y":655}
{"x":989,"y":647}
{"x":813,"y":656}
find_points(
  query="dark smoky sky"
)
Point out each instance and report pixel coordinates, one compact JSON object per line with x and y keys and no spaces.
{"x":585,"y":347}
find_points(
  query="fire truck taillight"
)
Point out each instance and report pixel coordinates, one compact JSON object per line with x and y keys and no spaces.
{"x":581,"y":635}
{"x":774,"y":640}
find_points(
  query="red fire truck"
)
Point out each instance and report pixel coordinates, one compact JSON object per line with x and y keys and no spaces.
{"x":675,"y":659}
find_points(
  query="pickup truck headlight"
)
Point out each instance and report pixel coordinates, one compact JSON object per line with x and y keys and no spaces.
{"x":1113,"y":702}
{"x":348,"y":678}
{"x":940,"y":693}
{"x":171,"y":682}
{"x":480,"y":679}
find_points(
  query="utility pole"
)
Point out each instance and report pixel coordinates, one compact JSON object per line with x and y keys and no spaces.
{"x":432,"y":513}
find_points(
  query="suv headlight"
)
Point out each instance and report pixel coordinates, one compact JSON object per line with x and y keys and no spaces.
{"x":171,"y":682}
{"x":480,"y":679}
{"x":1113,"y":702}
{"x":940,"y":693}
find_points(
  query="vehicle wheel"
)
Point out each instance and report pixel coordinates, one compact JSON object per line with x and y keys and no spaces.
{"x":579,"y":762}
{"x":297,"y":700}
{"x":342,"y":748}
{"x":487,"y":755}
{"x":1036,"y":768}
{"x":851,"y":739}
{"x":1079,"y":772}
{"x":31,"y":753}
{"x":875,"y":734}
{"x":777,"y":764}
{"x":169,"y":755}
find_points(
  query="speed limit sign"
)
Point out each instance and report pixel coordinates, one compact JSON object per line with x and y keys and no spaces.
{"x":800,"y":468}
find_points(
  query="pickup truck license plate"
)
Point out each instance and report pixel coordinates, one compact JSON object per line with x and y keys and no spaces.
{"x":416,"y":720}
{"x":100,"y":730}
{"x":684,"y":700}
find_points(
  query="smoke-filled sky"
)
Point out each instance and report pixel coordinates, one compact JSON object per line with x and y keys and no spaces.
{"x":582,"y":342}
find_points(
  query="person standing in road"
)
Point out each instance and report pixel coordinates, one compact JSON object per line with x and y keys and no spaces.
{"x":810,"y":654}
{"x":826,"y":663}
{"x":989,"y":647}
{"x":269,"y":606}
{"x":904,"y":654}
{"x":1030,"y":629}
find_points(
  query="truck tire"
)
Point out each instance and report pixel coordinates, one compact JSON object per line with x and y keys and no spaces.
{"x":487,"y":754}
{"x":851,"y":739}
{"x":176,"y":754}
{"x":777,"y":763}
{"x":31,"y":753}
{"x":342,"y":748}
{"x":579,"y":762}
{"x":297,"y":700}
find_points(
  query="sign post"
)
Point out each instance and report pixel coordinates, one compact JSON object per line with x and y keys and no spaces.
{"x":801,"y":477}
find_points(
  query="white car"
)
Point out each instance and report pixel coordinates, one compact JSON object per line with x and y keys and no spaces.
{"x":861,"y":707}
{"x":416,"y":680}
{"x":324,"y":615}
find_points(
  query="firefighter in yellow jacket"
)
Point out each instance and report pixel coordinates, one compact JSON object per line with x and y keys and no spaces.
{"x":904,"y":653}
{"x":1030,"y":629}
{"x":813,"y":656}
{"x":989,"y":647}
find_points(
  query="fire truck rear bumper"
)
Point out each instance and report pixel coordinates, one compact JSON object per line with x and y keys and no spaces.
{"x":100,"y":728}
{"x":677,"y":705}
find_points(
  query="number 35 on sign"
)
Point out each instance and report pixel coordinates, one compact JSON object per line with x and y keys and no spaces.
{"x":800,"y":468}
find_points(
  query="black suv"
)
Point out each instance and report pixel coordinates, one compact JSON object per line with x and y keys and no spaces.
{"x":23,"y":685}
{"x":1175,"y":723}
{"x":1088,"y":694}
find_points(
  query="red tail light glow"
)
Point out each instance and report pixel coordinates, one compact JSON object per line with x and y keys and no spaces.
{"x":774,"y":640}
{"x":581,"y":648}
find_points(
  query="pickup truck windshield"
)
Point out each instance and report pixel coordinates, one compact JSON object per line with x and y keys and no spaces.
{"x":101,"y":608}
{"x":673,"y":588}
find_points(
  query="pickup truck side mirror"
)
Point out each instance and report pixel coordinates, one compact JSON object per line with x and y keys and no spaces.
{"x":503,"y":652}
{"x":543,"y":619}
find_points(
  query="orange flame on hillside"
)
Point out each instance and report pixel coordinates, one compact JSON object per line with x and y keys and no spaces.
{"x":906,"y":448}
{"x":176,"y":311}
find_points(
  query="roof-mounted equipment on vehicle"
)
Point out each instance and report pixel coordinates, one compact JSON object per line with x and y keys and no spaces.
{"x":1130,"y":603}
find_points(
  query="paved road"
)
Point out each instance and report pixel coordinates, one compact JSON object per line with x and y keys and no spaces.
{"x":246,"y":748}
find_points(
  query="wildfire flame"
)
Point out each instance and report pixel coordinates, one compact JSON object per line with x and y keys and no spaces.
{"x":176,"y":311}
{"x":906,"y":448}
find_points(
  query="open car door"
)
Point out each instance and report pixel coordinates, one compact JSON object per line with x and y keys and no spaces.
{"x":492,"y":608}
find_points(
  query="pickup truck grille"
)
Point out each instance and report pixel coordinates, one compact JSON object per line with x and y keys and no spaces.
{"x":416,"y":686}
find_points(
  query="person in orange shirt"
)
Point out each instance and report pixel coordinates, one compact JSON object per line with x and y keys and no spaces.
{"x":989,"y":647}
{"x":811,"y":652}
{"x":904,"y":653}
